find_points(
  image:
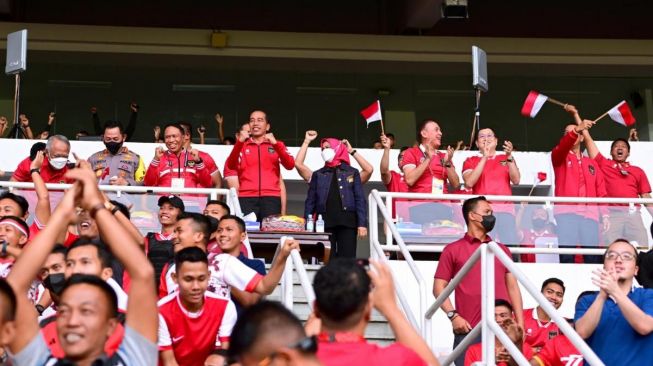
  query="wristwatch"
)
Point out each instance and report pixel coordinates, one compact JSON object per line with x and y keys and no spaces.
{"x":35,"y":170}
{"x":452,"y":314}
{"x":510,"y":159}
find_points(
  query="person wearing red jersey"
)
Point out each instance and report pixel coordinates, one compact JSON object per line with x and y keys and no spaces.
{"x":194,"y":324}
{"x":177,"y":167}
{"x":427,"y":170}
{"x":538,"y":326}
{"x":492,"y":174}
{"x":577,"y":176}
{"x":477,"y":213}
{"x":622,"y":180}
{"x":209,"y":163}
{"x":257,"y":159}
{"x":54,"y":165}
{"x":542,"y":230}
{"x":345,"y":294}
{"x":393,"y":181}
{"x":502,"y":356}
{"x":559,"y":351}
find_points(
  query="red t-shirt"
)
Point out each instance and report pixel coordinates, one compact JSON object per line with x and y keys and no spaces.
{"x":49,"y":174}
{"x":537,"y":334}
{"x":414,"y":156}
{"x":494,"y":180}
{"x":630,"y":185}
{"x":468,"y":292}
{"x":475,"y":354}
{"x":559,"y":352}
{"x":528,"y":241}
{"x":397,"y":184}
{"x":359,"y":352}
{"x":193,"y":336}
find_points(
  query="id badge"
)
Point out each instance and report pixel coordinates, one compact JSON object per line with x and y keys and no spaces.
{"x":437,"y":186}
{"x":177,"y":183}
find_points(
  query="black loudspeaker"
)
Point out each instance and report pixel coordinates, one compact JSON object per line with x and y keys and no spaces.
{"x":16,"y":52}
{"x":636,"y":99}
{"x":479,"y":69}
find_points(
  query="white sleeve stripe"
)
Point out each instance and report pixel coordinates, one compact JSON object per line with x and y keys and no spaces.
{"x":164,"y":333}
{"x":228,"y":321}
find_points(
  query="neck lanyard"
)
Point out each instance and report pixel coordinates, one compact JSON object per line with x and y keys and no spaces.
{"x":444,"y":171}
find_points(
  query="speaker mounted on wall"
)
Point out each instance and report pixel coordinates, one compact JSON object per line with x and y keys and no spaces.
{"x":16,"y":52}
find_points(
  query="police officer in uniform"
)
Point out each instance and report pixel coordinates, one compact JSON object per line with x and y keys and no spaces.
{"x":117,"y":165}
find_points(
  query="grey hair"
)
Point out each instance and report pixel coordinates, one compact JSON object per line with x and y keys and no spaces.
{"x":61,"y":138}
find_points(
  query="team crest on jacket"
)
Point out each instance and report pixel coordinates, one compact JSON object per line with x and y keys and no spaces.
{"x":271,"y":150}
{"x":591,"y":169}
{"x":190,"y":163}
{"x":503,"y":162}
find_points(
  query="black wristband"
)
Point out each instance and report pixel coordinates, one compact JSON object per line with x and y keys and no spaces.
{"x":40,"y":308}
{"x":35,"y":170}
{"x":353,"y":152}
{"x":114,"y":210}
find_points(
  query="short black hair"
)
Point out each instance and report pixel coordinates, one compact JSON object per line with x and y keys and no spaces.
{"x":99,"y":283}
{"x":230,"y":139}
{"x":59,"y":249}
{"x":20,"y":201}
{"x":622,"y":140}
{"x":113,"y":124}
{"x":190,"y":254}
{"x":103,"y":253}
{"x":341,"y":292}
{"x":8,"y":300}
{"x":239,"y":222}
{"x":219,"y":203}
{"x":188,"y":128}
{"x":621,"y":240}
{"x":421,"y":127}
{"x":267,"y":117}
{"x":175,"y":125}
{"x":200,"y":223}
{"x":264,"y":320}
{"x":122,"y":208}
{"x":403,"y":148}
{"x":557,"y":281}
{"x":470,"y":205}
{"x":503,"y":302}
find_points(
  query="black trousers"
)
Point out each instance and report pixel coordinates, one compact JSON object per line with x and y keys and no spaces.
{"x":261,"y":206}
{"x":343,"y":241}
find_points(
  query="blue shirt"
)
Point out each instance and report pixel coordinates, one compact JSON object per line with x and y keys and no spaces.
{"x":614,"y":340}
{"x":255,"y":264}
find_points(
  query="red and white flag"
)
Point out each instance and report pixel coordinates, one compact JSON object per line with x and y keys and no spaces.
{"x":621,"y":114}
{"x":372,"y":113}
{"x":533,"y":104}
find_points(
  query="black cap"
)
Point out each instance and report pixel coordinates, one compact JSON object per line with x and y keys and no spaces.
{"x":173,"y":200}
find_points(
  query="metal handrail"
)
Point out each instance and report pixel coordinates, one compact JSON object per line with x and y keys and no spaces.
{"x":294,"y":261}
{"x":303,"y":277}
{"x":489,"y":327}
{"x":530,"y":199}
{"x":422,"y":324}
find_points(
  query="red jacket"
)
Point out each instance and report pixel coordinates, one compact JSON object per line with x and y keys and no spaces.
{"x":566,"y":168}
{"x":161,"y":172}
{"x":258,"y":167}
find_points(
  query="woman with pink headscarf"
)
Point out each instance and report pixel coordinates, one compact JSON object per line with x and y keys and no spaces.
{"x":336,"y":193}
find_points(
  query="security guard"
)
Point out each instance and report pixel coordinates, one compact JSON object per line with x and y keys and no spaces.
{"x":117,"y":165}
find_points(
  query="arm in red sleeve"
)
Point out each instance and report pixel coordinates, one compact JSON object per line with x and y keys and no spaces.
{"x":286,"y":159}
{"x":203,"y":176}
{"x":21,"y":174}
{"x":232,"y":160}
{"x":560,"y":152}
{"x":152,"y":173}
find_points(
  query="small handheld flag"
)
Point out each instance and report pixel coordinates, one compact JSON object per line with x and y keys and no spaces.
{"x":620,"y":113}
{"x":373,"y":113}
{"x":534,"y":102}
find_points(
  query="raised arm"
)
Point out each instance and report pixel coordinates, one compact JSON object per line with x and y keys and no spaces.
{"x":27,"y":267}
{"x":592,"y":149}
{"x":271,"y":280}
{"x":454,"y":180}
{"x":42,"y":211}
{"x":3,"y":125}
{"x":133,"y":118}
{"x":24,"y":124}
{"x":142,"y":315}
{"x":513,"y":169}
{"x":219,"y":119}
{"x":97,"y":126}
{"x":386,"y":176}
{"x":366,"y":168}
{"x":201,"y":130}
{"x":304,"y":171}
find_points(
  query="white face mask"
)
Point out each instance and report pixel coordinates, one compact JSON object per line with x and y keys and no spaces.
{"x":58,"y":163}
{"x":328,"y":154}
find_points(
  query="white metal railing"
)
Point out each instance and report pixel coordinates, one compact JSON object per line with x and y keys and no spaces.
{"x":295,"y":261}
{"x":213,"y":193}
{"x":420,"y":323}
{"x":548,"y":202}
{"x":488,"y":326}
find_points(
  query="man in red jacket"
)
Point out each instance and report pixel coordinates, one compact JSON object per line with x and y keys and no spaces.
{"x":177,"y":167}
{"x":256,"y":157}
{"x":577,"y":176}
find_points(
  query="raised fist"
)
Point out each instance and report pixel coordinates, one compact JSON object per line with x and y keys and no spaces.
{"x":270,"y":137}
{"x":158,"y":152}
{"x":310,"y":136}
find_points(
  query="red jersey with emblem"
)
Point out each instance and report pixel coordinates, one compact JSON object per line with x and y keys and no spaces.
{"x":494,"y":180}
{"x":414,"y":156}
{"x":161,"y":172}
{"x":258,"y":167}
{"x":559,"y":352}
{"x":538,"y":333}
{"x":475,"y":354}
{"x":576,"y":177}
{"x":193,"y":336}
{"x":48,"y":173}
{"x":622,"y":179}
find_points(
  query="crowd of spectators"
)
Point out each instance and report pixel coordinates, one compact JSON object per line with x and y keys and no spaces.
{"x":196,"y":290}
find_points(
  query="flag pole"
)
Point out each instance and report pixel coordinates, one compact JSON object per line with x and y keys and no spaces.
{"x":601,"y":116}
{"x":381,"y":113}
{"x":554,"y":101}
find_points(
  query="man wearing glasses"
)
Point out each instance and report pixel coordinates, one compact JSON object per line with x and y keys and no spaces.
{"x":617,"y":322}
{"x":492,"y":174}
{"x":117,"y":165}
{"x":54,"y":165}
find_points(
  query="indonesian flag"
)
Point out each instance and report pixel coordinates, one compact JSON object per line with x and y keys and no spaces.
{"x":621,"y":114}
{"x":372,"y":113}
{"x":533,"y":104}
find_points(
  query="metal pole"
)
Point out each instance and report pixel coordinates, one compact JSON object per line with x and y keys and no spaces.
{"x":303,"y":277}
{"x":466,"y":342}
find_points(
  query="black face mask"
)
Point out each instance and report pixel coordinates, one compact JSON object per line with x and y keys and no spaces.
{"x":113,"y":147}
{"x":539,"y":223}
{"x":488,"y":222}
{"x":55,"y":283}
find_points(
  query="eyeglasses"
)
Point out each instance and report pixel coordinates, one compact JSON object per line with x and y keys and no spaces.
{"x":625,"y":256}
{"x":306,"y":345}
